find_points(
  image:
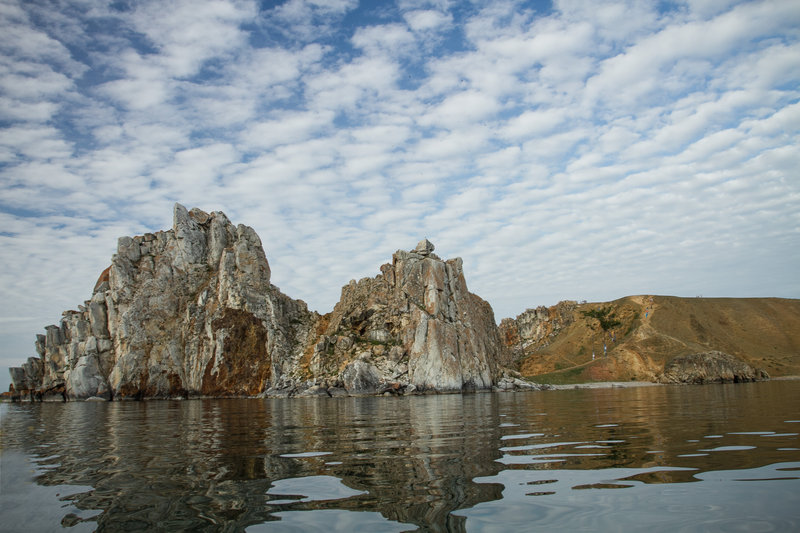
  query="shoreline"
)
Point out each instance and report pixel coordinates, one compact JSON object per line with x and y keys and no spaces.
{"x":537,"y":388}
{"x":633,"y":384}
{"x":606,"y":385}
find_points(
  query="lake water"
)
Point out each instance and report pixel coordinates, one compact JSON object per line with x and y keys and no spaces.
{"x":668,"y":458}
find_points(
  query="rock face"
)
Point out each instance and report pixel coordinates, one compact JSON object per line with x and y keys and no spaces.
{"x":186,"y":311}
{"x":710,"y":367}
{"x":191,"y":311}
{"x":415,"y":326}
{"x":535,"y":328}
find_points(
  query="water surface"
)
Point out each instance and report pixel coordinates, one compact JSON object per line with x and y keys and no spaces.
{"x":672,"y":458}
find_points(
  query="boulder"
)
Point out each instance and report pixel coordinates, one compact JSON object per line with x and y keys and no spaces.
{"x":424,"y":247}
{"x":361,"y":377}
{"x":86,"y":379}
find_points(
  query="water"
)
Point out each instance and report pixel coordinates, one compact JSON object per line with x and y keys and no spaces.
{"x":672,"y":458}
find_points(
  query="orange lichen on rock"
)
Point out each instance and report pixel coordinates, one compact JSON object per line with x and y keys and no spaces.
{"x":104,"y":277}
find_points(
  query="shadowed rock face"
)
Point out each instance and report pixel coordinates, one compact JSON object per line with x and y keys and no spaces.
{"x":191,"y":311}
{"x":710,"y":367}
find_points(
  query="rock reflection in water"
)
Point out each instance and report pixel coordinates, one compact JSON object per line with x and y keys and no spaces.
{"x":440,"y":463}
{"x":204,"y":464}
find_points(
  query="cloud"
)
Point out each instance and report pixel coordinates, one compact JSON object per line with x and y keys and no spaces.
{"x":286,"y":128}
{"x":347,"y":88}
{"x":306,"y":20}
{"x":425,"y":20}
{"x":392,"y":39}
{"x":533,"y":123}
{"x":633,"y":74}
{"x":186,"y":34}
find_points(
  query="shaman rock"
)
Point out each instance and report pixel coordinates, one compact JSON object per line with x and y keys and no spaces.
{"x":416,"y":324}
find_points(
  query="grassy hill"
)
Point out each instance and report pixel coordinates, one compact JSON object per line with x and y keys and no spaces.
{"x":763,"y":332}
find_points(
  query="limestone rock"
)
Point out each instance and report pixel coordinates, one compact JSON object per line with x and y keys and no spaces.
{"x":511,"y":380}
{"x":710,"y":367}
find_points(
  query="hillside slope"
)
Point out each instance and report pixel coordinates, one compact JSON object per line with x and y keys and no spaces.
{"x":763,"y":332}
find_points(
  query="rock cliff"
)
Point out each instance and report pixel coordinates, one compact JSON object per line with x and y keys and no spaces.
{"x":191,"y":311}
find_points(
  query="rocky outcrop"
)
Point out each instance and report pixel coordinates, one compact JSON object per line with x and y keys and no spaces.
{"x":186,"y":311}
{"x":535,"y":328}
{"x":191,"y":311}
{"x":414,"y":327}
{"x":710,"y":367}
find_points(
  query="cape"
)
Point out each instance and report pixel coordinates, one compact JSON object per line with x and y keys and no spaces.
{"x":191,"y":312}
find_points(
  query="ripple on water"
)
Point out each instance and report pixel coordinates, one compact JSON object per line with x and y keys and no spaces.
{"x":541,"y":446}
{"x":327,"y":520}
{"x":589,"y":500}
{"x":29,"y":506}
{"x":521,"y":436}
{"x":310,"y":489}
{"x":419,"y":461}
{"x":729,"y":449}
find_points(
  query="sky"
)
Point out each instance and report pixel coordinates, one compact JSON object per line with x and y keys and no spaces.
{"x":565,"y":150}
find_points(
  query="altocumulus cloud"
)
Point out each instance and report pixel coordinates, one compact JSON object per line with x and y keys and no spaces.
{"x":571,"y":149}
